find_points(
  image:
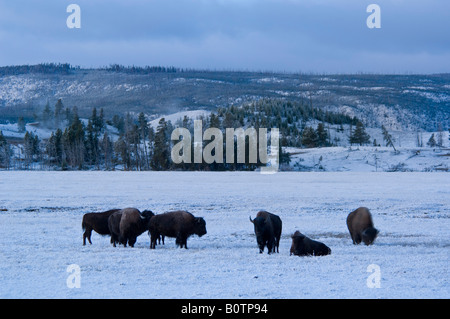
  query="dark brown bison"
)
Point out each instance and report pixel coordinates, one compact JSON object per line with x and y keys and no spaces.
{"x":179,"y":224}
{"x":360,"y":225}
{"x":267,"y":230}
{"x":304,"y":246}
{"x":127,"y":224}
{"x":97,"y":222}
{"x":114,"y":229}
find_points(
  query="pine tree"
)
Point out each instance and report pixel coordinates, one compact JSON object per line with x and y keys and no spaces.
{"x":5,"y":152}
{"x":214,"y":121}
{"x":74,"y":142}
{"x":98,"y":122}
{"x":322,"y":135}
{"x":431,"y":142}
{"x":31,"y":147}
{"x":387,"y":137}
{"x":119,"y":123}
{"x":58,"y":112}
{"x":21,"y":124}
{"x":107,"y":149}
{"x":309,"y":137}
{"x":144,"y":134}
{"x":92,"y":148}
{"x":68,"y":116}
{"x":228,"y":121}
{"x":121,"y":149}
{"x":54,"y":148}
{"x":161,"y":153}
{"x":359,"y":135}
{"x":47,"y":115}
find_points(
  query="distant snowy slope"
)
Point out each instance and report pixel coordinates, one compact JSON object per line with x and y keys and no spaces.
{"x":400,"y":102}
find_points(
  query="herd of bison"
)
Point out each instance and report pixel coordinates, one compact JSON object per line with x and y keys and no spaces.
{"x":125,"y":225}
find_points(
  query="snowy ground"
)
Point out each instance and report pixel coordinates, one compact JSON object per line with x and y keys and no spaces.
{"x":42,"y":236}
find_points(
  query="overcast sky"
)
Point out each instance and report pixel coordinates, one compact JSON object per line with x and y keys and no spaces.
{"x":323,"y":36}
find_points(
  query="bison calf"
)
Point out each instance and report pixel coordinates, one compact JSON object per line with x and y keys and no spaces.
{"x":267,"y":230}
{"x":360,"y":226}
{"x":304,"y":246}
{"x":178,"y":224}
{"x":97,"y":222}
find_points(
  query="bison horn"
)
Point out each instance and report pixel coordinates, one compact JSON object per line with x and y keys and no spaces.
{"x":250,"y":217}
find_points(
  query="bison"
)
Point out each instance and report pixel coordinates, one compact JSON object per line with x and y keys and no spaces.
{"x":267,"y":230}
{"x":97,"y":222}
{"x":114,"y":229}
{"x":304,"y":246}
{"x":179,"y":224}
{"x":360,"y":226}
{"x":127,"y":224}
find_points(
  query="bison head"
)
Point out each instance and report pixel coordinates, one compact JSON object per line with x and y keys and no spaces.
{"x":199,"y":226}
{"x":261,"y":228}
{"x":369,"y":235}
{"x":146,"y":215}
{"x":297,"y":247}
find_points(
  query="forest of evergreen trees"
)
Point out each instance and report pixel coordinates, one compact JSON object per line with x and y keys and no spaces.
{"x":135,"y":145}
{"x":46,"y":68}
{"x":66,"y":68}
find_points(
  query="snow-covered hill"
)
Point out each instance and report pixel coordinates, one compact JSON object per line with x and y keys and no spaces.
{"x":399,"y":102}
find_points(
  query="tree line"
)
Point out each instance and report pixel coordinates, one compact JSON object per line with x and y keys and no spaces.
{"x":46,"y":68}
{"x":133,"y":144}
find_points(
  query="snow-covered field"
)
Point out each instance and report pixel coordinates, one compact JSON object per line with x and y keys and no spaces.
{"x":40,"y":225}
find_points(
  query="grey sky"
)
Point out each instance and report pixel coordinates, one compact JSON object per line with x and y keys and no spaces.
{"x":324,"y":36}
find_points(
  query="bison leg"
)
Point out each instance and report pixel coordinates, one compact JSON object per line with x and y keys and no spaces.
{"x":357,"y":239}
{"x":353,"y":238}
{"x":270,"y":246}
{"x":184,"y":242}
{"x":113,"y":240}
{"x":181,"y":240}
{"x":122,"y":240}
{"x":153,"y":238}
{"x":132,"y":241}
{"x":87,"y":234}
